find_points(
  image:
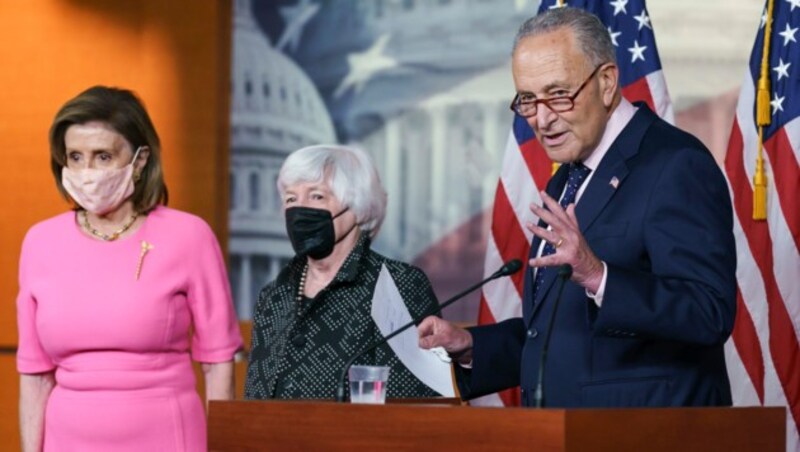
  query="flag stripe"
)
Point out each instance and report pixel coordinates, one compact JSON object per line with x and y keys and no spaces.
{"x":792,"y":130}
{"x":747,"y":346}
{"x":520,"y":188}
{"x":755,"y":300}
{"x":538,"y":163}
{"x":510,"y":242}
{"x":748,"y":343}
{"x":501,"y":296}
{"x":658,"y":90}
{"x":787,"y":180}
{"x":786,"y":260}
{"x":782,"y":339}
{"x":484,"y":313}
{"x":741,"y":388}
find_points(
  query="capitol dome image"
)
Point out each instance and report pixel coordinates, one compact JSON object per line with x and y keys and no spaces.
{"x":423,"y":86}
{"x":275,"y":109}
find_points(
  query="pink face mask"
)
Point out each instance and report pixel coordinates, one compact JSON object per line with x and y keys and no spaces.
{"x":99,"y":190}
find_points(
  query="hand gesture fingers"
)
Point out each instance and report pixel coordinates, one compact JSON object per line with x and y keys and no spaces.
{"x":570,"y":246}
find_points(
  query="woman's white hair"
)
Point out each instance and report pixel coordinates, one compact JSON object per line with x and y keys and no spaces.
{"x":350,"y":174}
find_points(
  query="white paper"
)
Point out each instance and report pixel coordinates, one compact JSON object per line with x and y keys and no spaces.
{"x":390,"y":313}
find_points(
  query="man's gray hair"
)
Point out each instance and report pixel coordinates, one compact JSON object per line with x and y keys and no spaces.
{"x":590,"y":33}
{"x":350,"y":174}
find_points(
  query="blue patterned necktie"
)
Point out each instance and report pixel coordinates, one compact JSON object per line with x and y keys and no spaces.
{"x":577,"y":174}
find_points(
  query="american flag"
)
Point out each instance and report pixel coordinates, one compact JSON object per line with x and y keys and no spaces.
{"x":763,"y":355}
{"x":526,"y":168}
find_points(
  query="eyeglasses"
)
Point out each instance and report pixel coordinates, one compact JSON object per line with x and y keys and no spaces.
{"x":527,"y":107}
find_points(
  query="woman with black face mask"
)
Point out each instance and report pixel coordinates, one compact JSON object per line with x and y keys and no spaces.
{"x":317,"y":312}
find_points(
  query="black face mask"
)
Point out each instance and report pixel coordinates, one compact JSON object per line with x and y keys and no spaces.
{"x":311,"y":231}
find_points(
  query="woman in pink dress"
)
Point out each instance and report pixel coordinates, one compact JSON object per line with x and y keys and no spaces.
{"x":110,"y":290}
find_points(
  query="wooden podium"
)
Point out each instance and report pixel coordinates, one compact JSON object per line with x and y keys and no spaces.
{"x":299,"y":425}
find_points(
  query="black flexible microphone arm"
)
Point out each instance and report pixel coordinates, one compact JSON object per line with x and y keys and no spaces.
{"x":564,"y":273}
{"x":509,"y":268}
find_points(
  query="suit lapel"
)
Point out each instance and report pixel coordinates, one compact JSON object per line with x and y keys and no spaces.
{"x":606,"y":180}
{"x":613,"y":169}
{"x":604,"y":183}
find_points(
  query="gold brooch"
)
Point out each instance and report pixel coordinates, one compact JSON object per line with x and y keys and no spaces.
{"x":145,"y":248}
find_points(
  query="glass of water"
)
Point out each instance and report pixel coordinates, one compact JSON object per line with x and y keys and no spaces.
{"x":368,"y":384}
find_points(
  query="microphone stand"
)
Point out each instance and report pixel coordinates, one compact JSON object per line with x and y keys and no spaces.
{"x":564,"y":273}
{"x":509,"y":268}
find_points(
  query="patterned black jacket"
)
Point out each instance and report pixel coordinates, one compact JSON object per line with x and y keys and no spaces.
{"x":300,"y":358}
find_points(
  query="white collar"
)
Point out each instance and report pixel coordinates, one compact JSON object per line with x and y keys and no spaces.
{"x":620,"y":118}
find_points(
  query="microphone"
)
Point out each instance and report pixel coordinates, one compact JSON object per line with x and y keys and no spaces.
{"x":509,"y":268}
{"x":564,"y":273}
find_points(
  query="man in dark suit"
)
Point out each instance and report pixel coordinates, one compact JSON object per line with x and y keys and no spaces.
{"x":641,"y":213}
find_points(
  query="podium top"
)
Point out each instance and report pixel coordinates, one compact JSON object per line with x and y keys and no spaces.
{"x":303,"y":425}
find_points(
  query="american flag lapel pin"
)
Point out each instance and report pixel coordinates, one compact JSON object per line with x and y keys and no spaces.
{"x":614,"y":182}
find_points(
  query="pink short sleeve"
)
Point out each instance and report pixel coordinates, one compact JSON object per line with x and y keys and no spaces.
{"x":216,"y":335}
{"x":31,"y":357}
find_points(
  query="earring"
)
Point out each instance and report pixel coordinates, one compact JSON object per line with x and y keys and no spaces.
{"x":137,"y":176}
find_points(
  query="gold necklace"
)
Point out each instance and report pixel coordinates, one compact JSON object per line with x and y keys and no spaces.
{"x":102,"y":235}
